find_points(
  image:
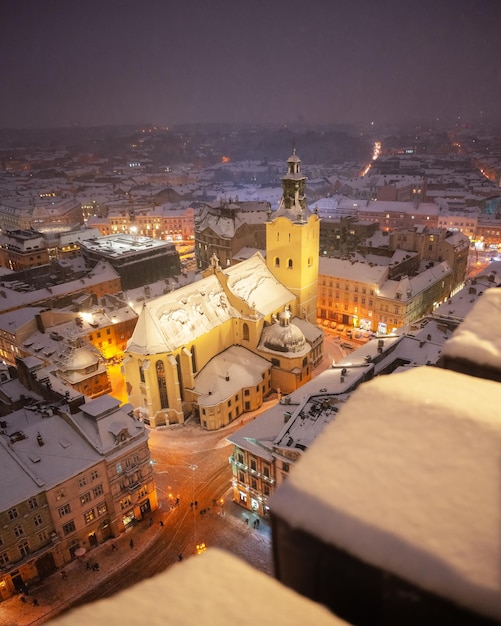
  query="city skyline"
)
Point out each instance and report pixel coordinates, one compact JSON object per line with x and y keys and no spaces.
{"x":167,"y":63}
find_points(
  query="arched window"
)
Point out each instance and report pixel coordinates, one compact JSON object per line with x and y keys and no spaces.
{"x":141,"y":372}
{"x":289,"y":264}
{"x":245,"y":331}
{"x":180,"y":376}
{"x":194,"y":358}
{"x":277,"y":262}
{"x":162,"y":384}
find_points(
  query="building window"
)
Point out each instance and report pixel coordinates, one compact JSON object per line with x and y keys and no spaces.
{"x":277,"y":262}
{"x":253,"y":465}
{"x":69,"y":528}
{"x":194,"y":358}
{"x":285,"y":467}
{"x":94,"y":474}
{"x":289,"y":264}
{"x":125,"y":503}
{"x":24,"y":549}
{"x":12,"y":513}
{"x":141,"y":372}
{"x":64,"y":510}
{"x":266,"y":490}
{"x":119,"y":468}
{"x":4,"y":558}
{"x":37,"y":520}
{"x":98,"y":491}
{"x":245,"y":332}
{"x":60,"y":494}
{"x":89,"y":516}
{"x":253,"y":483}
{"x":102,"y":508}
{"x":32,"y":503}
{"x":162,"y":384}
{"x":85,"y":498}
{"x":82,"y":481}
{"x":18,"y":531}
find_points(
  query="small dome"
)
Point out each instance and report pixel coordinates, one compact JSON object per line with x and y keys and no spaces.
{"x":285,"y":338}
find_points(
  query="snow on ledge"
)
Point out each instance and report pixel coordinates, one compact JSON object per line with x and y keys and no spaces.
{"x":478,"y":337}
{"x":407,"y":478}
{"x":213,"y":588}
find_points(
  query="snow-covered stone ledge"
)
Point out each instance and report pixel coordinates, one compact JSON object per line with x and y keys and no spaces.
{"x":395,"y":510}
{"x":213,"y":588}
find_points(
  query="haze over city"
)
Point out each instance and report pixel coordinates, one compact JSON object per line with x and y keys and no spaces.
{"x":325,"y":62}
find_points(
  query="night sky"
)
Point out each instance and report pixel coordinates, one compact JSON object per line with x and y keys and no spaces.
{"x":257,"y":61}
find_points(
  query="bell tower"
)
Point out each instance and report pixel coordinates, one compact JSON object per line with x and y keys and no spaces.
{"x":293,"y":240}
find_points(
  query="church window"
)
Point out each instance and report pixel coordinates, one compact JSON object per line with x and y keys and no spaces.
{"x":277,"y":262}
{"x":245,"y":331}
{"x":180,"y":376}
{"x":141,"y":372}
{"x":289,"y":263}
{"x":162,"y":384}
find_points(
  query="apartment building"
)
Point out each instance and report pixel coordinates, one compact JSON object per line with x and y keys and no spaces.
{"x":76,"y":474}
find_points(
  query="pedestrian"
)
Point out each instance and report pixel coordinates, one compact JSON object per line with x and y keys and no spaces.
{"x":131,"y":543}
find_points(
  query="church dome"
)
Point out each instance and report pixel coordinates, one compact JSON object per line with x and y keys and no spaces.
{"x":284,"y":336}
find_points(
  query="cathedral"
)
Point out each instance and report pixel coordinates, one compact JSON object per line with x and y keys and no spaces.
{"x":216,"y":348}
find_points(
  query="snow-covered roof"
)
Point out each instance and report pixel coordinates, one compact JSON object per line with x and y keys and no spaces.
{"x":415,"y":491}
{"x":60,"y":441}
{"x":179,"y":317}
{"x":227,"y":373}
{"x":252,"y":281}
{"x":352,"y":270}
